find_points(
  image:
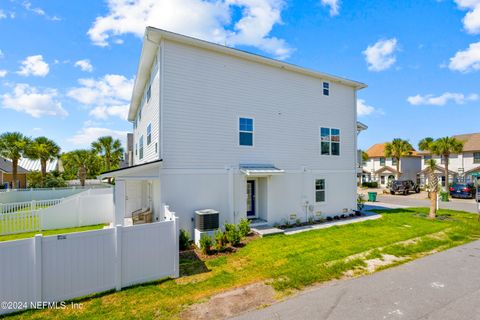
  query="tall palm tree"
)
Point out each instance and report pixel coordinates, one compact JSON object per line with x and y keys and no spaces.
{"x":444,"y":147}
{"x":425,"y":143}
{"x":13,"y":146}
{"x":110,"y":149}
{"x":44,"y":149}
{"x":82,"y":164}
{"x":397,"y":149}
{"x":433,"y":187}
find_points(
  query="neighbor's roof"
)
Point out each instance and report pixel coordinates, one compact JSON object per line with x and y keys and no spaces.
{"x":471,"y":141}
{"x":6,"y":166}
{"x":151,"y":41}
{"x":378,"y":151}
{"x":34,"y":165}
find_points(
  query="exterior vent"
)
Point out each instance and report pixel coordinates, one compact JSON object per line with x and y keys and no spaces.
{"x":206,"y":220}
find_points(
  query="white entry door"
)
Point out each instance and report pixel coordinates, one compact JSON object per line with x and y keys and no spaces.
{"x":133,"y":194}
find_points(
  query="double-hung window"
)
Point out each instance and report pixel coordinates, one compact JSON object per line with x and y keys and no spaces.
{"x":476,"y":157}
{"x":141,"y":147}
{"x":320,"y":190}
{"x":149,"y":134}
{"x":382,"y":161}
{"x":245,"y":132}
{"x":326,"y":88}
{"x":329,"y":141}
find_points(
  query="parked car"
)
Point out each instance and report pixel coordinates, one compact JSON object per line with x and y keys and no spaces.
{"x":404,"y":187}
{"x":462,"y":190}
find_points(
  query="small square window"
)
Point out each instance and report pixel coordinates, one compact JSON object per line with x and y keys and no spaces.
{"x":149,"y":134}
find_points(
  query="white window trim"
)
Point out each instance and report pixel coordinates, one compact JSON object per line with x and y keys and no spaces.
{"x":238,"y":131}
{"x":330,"y":142}
{"x":315,"y":190}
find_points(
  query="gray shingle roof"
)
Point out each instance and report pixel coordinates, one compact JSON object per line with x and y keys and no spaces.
{"x":6,"y":166}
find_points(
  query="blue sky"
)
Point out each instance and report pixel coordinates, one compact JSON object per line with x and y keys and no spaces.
{"x":67,"y":69}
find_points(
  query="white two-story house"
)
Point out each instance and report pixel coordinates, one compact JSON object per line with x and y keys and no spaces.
{"x":461,"y":166}
{"x":383,"y":170}
{"x":251,"y":137}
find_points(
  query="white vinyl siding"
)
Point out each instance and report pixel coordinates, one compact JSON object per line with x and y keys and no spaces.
{"x":202,"y":102}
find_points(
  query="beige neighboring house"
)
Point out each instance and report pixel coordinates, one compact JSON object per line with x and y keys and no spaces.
{"x":383,"y":170}
{"x":461,"y":166}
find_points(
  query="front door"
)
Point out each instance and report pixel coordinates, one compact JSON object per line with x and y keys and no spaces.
{"x":251,"y":199}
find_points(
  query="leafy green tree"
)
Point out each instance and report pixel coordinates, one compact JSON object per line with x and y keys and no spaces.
{"x":110,"y":150}
{"x":45,"y":150}
{"x":425,"y":143}
{"x":13,"y":146}
{"x":81,"y":164}
{"x":397,"y":149}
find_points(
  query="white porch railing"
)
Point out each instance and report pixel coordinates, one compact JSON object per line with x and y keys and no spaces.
{"x":27,"y":205}
{"x":167,"y":214}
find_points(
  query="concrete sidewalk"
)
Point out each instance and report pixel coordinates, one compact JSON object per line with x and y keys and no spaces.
{"x":443,"y":286}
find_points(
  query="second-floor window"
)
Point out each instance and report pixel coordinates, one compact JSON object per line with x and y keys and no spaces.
{"x":394,"y":161}
{"x":149,"y":92}
{"x":329,"y":141}
{"x":326,"y":88}
{"x":245,"y":132}
{"x":141,"y":148}
{"x":476,"y":157}
{"x":382,"y":161}
{"x":149,"y":134}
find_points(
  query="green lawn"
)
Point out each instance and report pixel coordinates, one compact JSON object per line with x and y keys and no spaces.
{"x":49,"y":232}
{"x":288,"y":263}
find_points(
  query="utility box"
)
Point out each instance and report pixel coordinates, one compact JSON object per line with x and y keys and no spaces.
{"x":206,"y":222}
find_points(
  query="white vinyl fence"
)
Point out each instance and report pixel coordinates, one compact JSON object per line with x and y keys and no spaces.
{"x":87,"y":208}
{"x":28,"y":205}
{"x":57,"y":268}
{"x":25,"y":195}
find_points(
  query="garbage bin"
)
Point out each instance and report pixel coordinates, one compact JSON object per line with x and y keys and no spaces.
{"x":444,"y":196}
{"x":372,"y":196}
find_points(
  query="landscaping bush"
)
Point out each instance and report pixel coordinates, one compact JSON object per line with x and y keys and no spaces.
{"x":372,"y":184}
{"x":244,"y":227}
{"x":233,"y":236}
{"x":206,"y":243}
{"x":298,"y":222}
{"x":229,"y":226}
{"x":184,"y":239}
{"x":220,"y":240}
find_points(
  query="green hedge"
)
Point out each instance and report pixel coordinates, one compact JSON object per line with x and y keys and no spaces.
{"x":373,"y":184}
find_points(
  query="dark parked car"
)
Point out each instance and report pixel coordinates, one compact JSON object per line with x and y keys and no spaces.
{"x":404,"y":187}
{"x":462,"y":190}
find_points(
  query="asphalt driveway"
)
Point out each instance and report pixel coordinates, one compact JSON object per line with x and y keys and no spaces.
{"x":468,"y":205}
{"x":443,"y":286}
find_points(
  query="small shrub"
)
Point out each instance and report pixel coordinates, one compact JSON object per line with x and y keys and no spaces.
{"x":276,"y":225}
{"x":220,"y":240}
{"x":244,"y":227}
{"x":372,"y":184}
{"x":311,"y":220}
{"x":229,"y":226}
{"x":184,"y":239}
{"x":205,"y":244}
{"x":233,"y":236}
{"x":298,"y":222}
{"x":286,"y":224}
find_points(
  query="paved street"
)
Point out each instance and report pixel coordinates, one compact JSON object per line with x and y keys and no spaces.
{"x":413,"y":201}
{"x":441,"y":286}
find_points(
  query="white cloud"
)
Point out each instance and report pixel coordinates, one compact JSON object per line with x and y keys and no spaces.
{"x":84,"y":65}
{"x":34,"y":65}
{"x":2,"y":14}
{"x":208,"y":20}
{"x":111,"y":89}
{"x":466,"y":60}
{"x":39,"y":11}
{"x":441,"y":100}
{"x":34,"y":102}
{"x":363,"y":109}
{"x":471,"y":21}
{"x":86,"y":136}
{"x":381,"y":55}
{"x":104,"y":112}
{"x":334,"y":6}
{"x":3,"y":73}
{"x":1,"y":54}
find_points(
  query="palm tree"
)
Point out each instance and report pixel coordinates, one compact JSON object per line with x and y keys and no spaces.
{"x":44,"y":149}
{"x":425,"y":143}
{"x":444,"y":147}
{"x":398,"y":149}
{"x":13,"y":146}
{"x":433,"y":187}
{"x":110,"y":149}
{"x":82,"y":164}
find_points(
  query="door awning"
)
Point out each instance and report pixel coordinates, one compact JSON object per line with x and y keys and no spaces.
{"x":260,"y":170}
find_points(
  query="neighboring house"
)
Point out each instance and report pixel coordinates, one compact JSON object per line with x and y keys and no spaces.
{"x":461,"y":166}
{"x":7,"y":177}
{"x":383,"y":170}
{"x":360,"y":127}
{"x":252,"y":137}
